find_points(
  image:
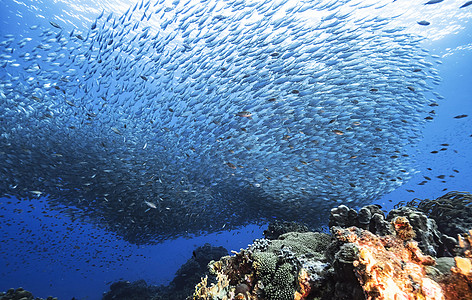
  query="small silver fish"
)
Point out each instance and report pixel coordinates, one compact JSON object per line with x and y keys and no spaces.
{"x":150,"y":204}
{"x":244,"y":114}
{"x":116,"y":130}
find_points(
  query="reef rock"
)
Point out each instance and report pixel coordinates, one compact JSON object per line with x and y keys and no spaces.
{"x":21,"y":294}
{"x":452,"y":212}
{"x":386,"y":267}
{"x":286,"y":268}
{"x":430,"y":240}
{"x":190,"y":273}
{"x":370,"y":217}
{"x":277,"y":228}
{"x":125,"y":290}
{"x":351,"y":263}
{"x":186,"y":277}
{"x":458,"y":285}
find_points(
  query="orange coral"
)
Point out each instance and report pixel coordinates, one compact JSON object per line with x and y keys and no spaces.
{"x":458,"y":285}
{"x":304,"y":283}
{"x":464,"y":264}
{"x":387,"y":269}
{"x":465,"y":243}
{"x":417,"y":256}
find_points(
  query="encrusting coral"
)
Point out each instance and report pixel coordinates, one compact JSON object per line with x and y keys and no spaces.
{"x":390,"y":267}
{"x":458,"y":284}
{"x":366,"y":256}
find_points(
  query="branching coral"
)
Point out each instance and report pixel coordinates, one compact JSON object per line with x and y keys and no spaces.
{"x":215,"y":291}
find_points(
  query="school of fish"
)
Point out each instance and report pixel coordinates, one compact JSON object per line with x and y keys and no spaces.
{"x":196,"y":116}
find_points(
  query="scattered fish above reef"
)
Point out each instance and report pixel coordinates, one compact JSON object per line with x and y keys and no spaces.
{"x":247,"y":110}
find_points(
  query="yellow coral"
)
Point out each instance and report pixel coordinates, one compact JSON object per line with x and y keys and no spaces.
{"x":403,"y":228}
{"x":215,"y":291}
{"x":458,"y":284}
{"x":463,"y":265}
{"x":304,"y":283}
{"x":201,"y":289}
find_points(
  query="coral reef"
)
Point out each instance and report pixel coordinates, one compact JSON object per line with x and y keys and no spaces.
{"x":286,"y":268}
{"x":125,"y":290}
{"x":21,"y":294}
{"x":277,"y":228}
{"x":367,"y":256}
{"x":370,"y":217}
{"x":430,"y":240}
{"x":387,"y":267}
{"x":452,"y":212}
{"x":190,"y":273}
{"x":183,"y":284}
{"x":458,"y":285}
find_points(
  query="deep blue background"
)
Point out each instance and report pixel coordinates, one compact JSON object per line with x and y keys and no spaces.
{"x":49,"y":254}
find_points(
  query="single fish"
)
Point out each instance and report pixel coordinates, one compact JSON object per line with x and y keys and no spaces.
{"x":116,"y":130}
{"x":433,"y":1}
{"x":150,"y":204}
{"x":54,"y":24}
{"x":466,"y":4}
{"x":423,"y":23}
{"x":244,"y":114}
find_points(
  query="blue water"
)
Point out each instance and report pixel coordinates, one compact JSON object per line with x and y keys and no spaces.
{"x":48,"y":253}
{"x":455,"y":87}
